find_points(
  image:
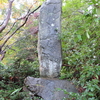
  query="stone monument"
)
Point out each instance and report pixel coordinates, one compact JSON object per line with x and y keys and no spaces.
{"x":49,"y":43}
{"x":50,"y":56}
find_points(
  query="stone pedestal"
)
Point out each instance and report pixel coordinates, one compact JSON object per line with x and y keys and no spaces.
{"x":47,"y":89}
{"x":49,"y":44}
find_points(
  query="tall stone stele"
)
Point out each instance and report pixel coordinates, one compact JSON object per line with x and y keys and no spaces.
{"x":49,"y":44}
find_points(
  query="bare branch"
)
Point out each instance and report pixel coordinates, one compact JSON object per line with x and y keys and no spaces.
{"x":9,"y":47}
{"x":2,"y":22}
{"x":15,"y":23}
{"x":20,"y":26}
{"x":8,"y":31}
{"x":25,"y":15}
{"x":6,"y":20}
{"x":3,"y":52}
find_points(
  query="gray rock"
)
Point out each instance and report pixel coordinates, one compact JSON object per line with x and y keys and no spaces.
{"x":47,"y":88}
{"x":49,"y":44}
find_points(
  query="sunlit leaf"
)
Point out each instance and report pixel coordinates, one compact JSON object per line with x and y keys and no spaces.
{"x":87,"y":34}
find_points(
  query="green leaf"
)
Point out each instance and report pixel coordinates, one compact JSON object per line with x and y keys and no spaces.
{"x":17,"y":90}
{"x":92,"y":89}
{"x":97,"y":87}
{"x":91,"y":94}
{"x":87,"y":34}
{"x":94,"y":1}
{"x":79,"y":37}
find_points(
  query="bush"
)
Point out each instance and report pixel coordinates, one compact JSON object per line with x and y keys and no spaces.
{"x":80,"y":46}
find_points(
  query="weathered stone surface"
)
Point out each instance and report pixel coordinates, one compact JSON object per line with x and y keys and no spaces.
{"x":46,"y":88}
{"x":49,"y":44}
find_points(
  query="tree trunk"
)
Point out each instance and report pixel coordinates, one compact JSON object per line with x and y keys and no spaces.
{"x":49,"y":43}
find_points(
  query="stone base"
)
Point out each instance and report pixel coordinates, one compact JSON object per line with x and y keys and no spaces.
{"x":47,"y":88}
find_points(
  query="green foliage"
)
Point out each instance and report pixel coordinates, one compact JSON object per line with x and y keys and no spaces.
{"x":80,"y":47}
{"x":21,"y":64}
{"x":89,"y":81}
{"x":11,"y":79}
{"x":80,"y":38}
{"x":24,"y":68}
{"x":20,"y":61}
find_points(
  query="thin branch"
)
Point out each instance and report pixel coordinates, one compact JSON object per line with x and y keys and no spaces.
{"x":20,"y":26}
{"x":15,"y":23}
{"x":7,"y":17}
{"x":2,"y":22}
{"x":9,"y":47}
{"x":25,"y":15}
{"x":3,"y":51}
{"x":8,"y":31}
